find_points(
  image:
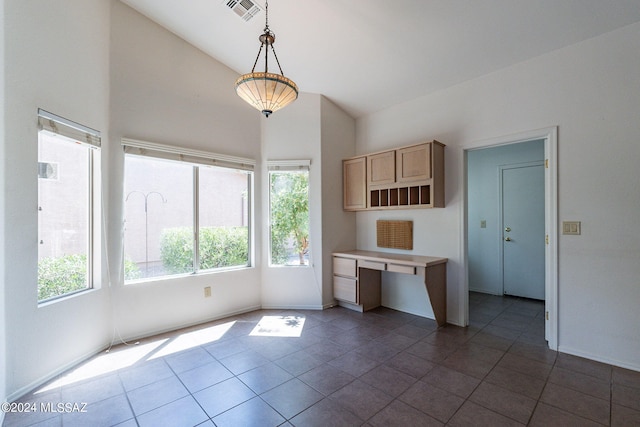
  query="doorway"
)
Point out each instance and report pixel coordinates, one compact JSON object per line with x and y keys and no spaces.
{"x":483,"y":220}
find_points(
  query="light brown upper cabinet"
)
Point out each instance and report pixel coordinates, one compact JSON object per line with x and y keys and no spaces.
{"x":413,"y":163}
{"x":404,"y":178}
{"x":354,"y":180}
{"x":381,"y":169}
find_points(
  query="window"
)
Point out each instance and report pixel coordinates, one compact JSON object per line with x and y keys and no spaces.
{"x":68,"y":164}
{"x":183,"y":215}
{"x":289,"y":212}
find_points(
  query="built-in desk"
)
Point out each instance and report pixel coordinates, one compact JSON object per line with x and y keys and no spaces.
{"x":357,"y":278}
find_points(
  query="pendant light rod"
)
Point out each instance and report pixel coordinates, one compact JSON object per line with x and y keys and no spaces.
{"x":266,"y":91}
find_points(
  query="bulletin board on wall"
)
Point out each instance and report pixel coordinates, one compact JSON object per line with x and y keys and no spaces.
{"x":394,"y":234}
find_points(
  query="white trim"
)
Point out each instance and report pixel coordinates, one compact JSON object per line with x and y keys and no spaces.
{"x":314,"y":307}
{"x":550,"y":136}
{"x":288,"y":165}
{"x":50,"y":116}
{"x":187,"y":154}
{"x":59,"y":126}
{"x":150,"y":333}
{"x":39,"y":382}
{"x":599,"y":358}
{"x":551,"y":225}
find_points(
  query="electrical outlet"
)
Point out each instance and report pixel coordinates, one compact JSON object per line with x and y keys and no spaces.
{"x":207,"y":291}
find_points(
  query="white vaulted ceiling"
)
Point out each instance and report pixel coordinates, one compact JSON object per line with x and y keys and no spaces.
{"x":367,"y":55}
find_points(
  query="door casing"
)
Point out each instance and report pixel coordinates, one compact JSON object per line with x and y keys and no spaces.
{"x":550,"y":136}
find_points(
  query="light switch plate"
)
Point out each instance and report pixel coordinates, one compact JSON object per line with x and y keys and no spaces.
{"x":571,"y":227}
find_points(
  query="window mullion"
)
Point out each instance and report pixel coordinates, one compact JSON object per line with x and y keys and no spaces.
{"x":196,"y":219}
{"x":90,"y":237}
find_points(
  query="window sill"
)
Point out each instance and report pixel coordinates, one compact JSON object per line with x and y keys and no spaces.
{"x":186,"y":275}
{"x":65,"y":297}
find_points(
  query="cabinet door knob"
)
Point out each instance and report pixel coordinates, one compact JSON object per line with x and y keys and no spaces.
{"x":507,"y":229}
{"x":507,"y":239}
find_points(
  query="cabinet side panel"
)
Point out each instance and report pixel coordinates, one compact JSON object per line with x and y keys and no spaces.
{"x":354,"y":184}
{"x":437,"y":165}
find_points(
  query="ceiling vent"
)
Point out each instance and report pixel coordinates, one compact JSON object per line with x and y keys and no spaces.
{"x":245,"y":9}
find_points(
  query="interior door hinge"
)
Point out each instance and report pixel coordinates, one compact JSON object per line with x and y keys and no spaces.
{"x":546,"y":315}
{"x":546,"y":163}
{"x":546,"y":239}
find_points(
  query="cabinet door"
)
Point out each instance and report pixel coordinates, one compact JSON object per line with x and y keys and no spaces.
{"x":381,"y":168}
{"x":414,"y":163}
{"x":354,"y":181}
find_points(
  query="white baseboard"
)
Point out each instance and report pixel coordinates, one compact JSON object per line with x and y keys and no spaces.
{"x":151,"y":333}
{"x":293,"y":307}
{"x":608,"y":361}
{"x":43,"y":380}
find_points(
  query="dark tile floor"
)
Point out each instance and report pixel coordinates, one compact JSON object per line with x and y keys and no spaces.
{"x":380,"y":368}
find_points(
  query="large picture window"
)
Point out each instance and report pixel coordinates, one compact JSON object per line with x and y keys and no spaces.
{"x":289,"y":213}
{"x":184,"y":216}
{"x":68,"y":164}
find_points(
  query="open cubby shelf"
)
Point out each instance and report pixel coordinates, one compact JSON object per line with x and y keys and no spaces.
{"x":403,"y":196}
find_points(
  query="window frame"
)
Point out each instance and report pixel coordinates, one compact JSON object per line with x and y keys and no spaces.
{"x":291,"y":166}
{"x":74,"y":133}
{"x":198,"y":159}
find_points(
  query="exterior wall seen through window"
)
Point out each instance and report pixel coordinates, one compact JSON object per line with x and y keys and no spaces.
{"x":64,"y":215}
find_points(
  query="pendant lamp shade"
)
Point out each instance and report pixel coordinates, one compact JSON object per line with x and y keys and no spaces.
{"x":268,"y":92}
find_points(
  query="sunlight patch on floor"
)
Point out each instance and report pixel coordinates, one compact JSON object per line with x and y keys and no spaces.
{"x":193,"y":339}
{"x":279,"y":326}
{"x":106,"y":362}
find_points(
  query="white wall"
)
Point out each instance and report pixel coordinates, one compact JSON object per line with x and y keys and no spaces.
{"x":483,"y":200}
{"x":591,"y":91}
{"x":166,"y":91}
{"x":57,"y":59}
{"x":293,"y":133}
{"x":3,"y":167}
{"x":311,"y":128}
{"x":338,"y":227}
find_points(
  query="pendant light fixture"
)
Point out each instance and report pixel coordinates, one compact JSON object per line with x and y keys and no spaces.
{"x":268,"y":92}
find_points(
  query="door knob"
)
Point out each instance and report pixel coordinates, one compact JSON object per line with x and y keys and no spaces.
{"x":507,"y":229}
{"x":507,"y":239}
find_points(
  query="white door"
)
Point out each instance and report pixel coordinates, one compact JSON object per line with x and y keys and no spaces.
{"x":523,"y":230}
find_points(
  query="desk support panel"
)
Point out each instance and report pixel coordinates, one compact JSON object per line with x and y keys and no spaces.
{"x":436,"y":282}
{"x":370,"y":282}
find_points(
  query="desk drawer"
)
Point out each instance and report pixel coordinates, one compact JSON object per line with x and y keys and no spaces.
{"x":372,"y":265}
{"x":344,"y":266}
{"x":396,"y":268}
{"x":345,"y":289}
